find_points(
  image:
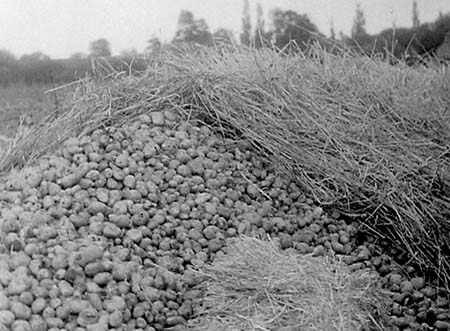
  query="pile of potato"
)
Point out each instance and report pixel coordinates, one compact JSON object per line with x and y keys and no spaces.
{"x":106,"y":234}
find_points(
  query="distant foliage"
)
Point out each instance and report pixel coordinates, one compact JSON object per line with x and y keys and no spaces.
{"x":359,"y":23}
{"x":332,"y":32}
{"x":440,"y":27}
{"x":223,"y":37}
{"x":415,"y":15}
{"x":399,"y":43}
{"x":78,"y":56}
{"x":260,"y":34}
{"x":153,"y":46}
{"x":246,"y":33}
{"x":289,"y":26}
{"x":190,"y":30}
{"x":412,"y":44}
{"x":32,"y":70}
{"x":359,"y":35}
{"x":100,"y":48}
{"x":129,"y":53}
{"x":6,"y":58}
{"x":8,"y":67}
{"x":35,"y":57}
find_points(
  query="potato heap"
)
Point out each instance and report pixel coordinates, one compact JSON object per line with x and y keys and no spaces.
{"x":105,"y":233}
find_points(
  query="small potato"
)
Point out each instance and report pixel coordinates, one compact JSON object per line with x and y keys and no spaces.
{"x":37,"y":323}
{"x":88,"y":254}
{"x":18,"y":285}
{"x":21,"y":325}
{"x":38,"y":305}
{"x":20,"y":310}
{"x":6,"y":317}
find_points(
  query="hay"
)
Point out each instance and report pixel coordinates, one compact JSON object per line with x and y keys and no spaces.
{"x":256,"y":286}
{"x":360,"y":135}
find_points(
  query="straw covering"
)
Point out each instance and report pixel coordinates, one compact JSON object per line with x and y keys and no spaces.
{"x":255,"y":286}
{"x":362,"y":136}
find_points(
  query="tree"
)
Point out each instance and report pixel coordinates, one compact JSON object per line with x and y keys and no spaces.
{"x":153,"y":46}
{"x":37,"y":68}
{"x":359,"y":37}
{"x":246,"y":24}
{"x":34,"y":57}
{"x":203,"y":35}
{"x":259,"y":38}
{"x":100,"y":48}
{"x":398,"y":42}
{"x":8,"y":68}
{"x":78,"y":56}
{"x":415,"y":15}
{"x":359,"y":24}
{"x":185,"y":19}
{"x":6,"y":58}
{"x":190,"y":30}
{"x":289,"y":26}
{"x":129,"y":53}
{"x":223,"y":37}
{"x":332,"y":32}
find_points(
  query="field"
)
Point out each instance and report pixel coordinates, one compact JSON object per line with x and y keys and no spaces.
{"x":16,"y":101}
{"x":259,"y":191}
{"x":22,"y":106}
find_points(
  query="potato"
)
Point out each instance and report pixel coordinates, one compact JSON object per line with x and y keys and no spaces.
{"x":18,"y":284}
{"x":38,"y":305}
{"x":74,"y":178}
{"x":37,"y":323}
{"x":6,"y":317}
{"x":20,"y":325}
{"x":88,"y":254}
{"x":75,"y":306}
{"x":9,"y":225}
{"x":87,"y":317}
{"x":20,"y":310}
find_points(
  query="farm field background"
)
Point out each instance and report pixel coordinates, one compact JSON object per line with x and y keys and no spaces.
{"x":21,"y":100}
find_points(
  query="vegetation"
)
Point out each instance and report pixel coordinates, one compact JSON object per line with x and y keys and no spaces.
{"x":192,"y":31}
{"x":286,"y":27}
{"x":100,"y":47}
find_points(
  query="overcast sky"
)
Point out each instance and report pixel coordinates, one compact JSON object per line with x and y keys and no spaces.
{"x":60,"y":28}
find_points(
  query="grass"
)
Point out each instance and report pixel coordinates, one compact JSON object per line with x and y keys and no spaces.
{"x":362,"y":136}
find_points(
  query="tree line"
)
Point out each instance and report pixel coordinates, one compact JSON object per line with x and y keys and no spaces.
{"x":289,"y":27}
{"x":412,"y":45}
{"x":284,"y":28}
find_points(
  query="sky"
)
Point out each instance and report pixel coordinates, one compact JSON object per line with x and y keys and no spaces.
{"x":60,"y":28}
